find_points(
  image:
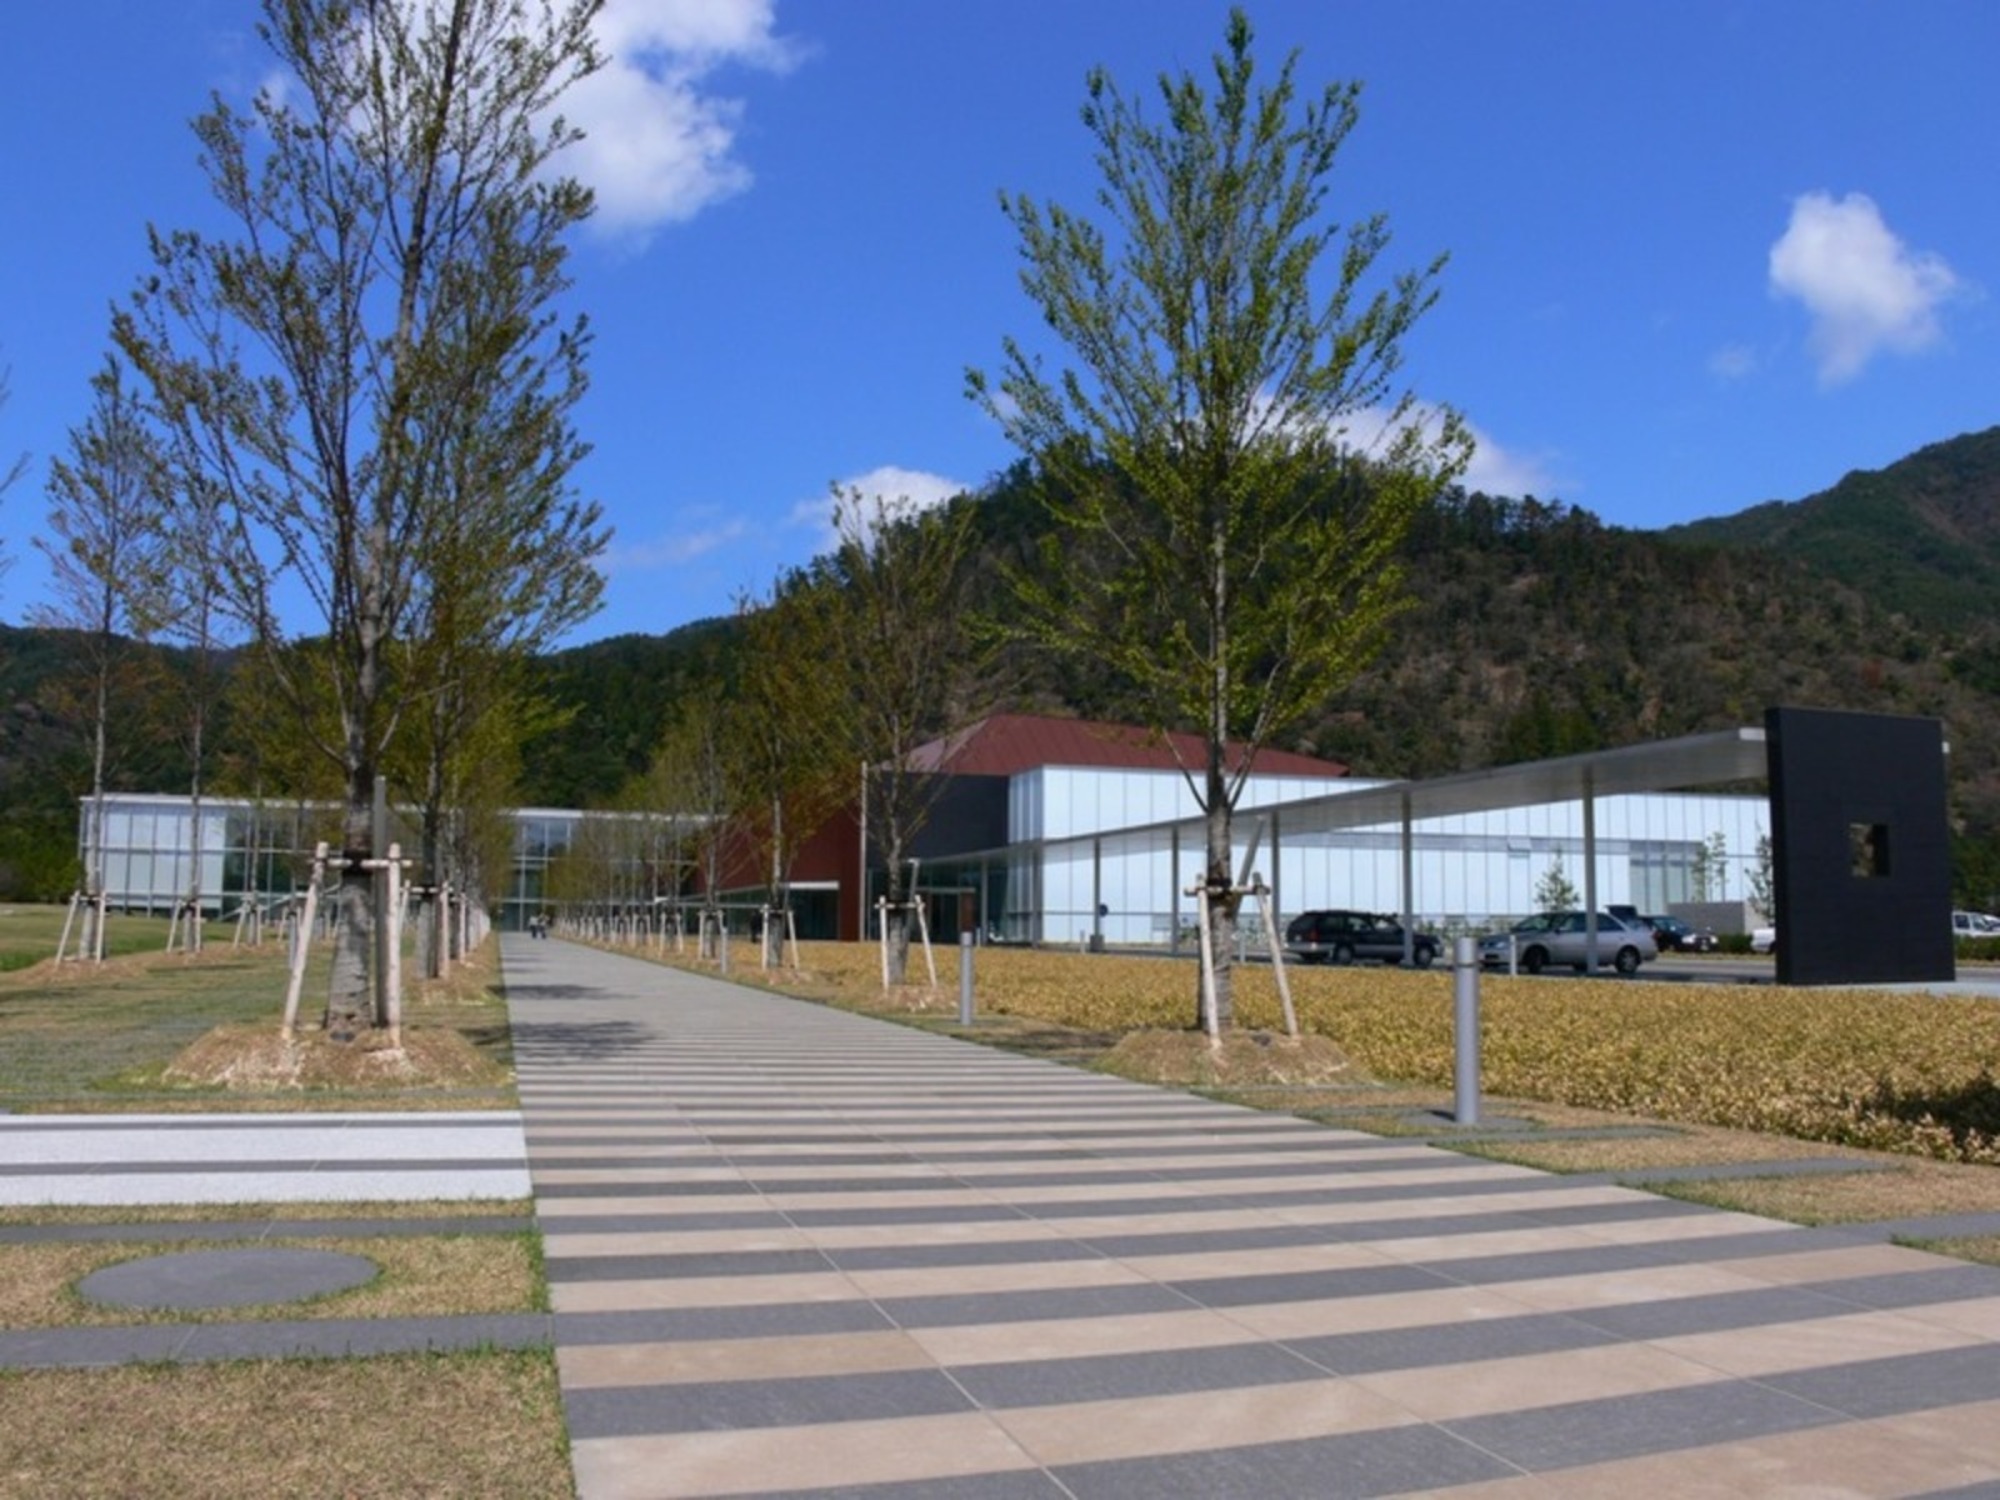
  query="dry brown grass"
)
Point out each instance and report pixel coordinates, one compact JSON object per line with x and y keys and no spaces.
{"x":1243,"y":1059}
{"x":484,"y":1426}
{"x":1677,"y":1146}
{"x":258,"y":1059}
{"x":420,"y":1276}
{"x":1902,"y":1190}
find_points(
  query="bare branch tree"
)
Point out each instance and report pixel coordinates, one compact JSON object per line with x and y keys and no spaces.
{"x":369,"y":367}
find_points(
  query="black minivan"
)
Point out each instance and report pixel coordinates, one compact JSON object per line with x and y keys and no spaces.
{"x":1341,"y":937}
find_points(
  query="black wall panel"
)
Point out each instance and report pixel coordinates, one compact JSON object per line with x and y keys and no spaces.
{"x":1861,"y":849}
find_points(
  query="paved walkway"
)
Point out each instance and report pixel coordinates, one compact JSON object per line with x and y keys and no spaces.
{"x":795,"y":1252}
{"x":801,"y":1253}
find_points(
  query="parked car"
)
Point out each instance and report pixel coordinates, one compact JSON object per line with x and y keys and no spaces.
{"x":1673,"y":934}
{"x":1974,"y":924}
{"x":1561,"y":937}
{"x":1341,"y":937}
{"x":1764,"y":940}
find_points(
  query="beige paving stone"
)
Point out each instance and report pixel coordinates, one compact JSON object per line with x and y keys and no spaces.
{"x":676,"y":1242}
{"x":1979,"y":1315}
{"x":597,"y":1366}
{"x":999,"y":1231}
{"x":1078,"y":1338}
{"x":1457,"y":1205}
{"x":1445,"y":1304}
{"x":1443,"y":1393}
{"x":1779,"y":1347}
{"x":1713,"y":1225}
{"x":1444,"y":1248}
{"x":1094,"y":1431}
{"x":825,"y":1455}
{"x":1833,"y":1264}
{"x":699,"y":1291}
{"x":1616,"y":1288}
{"x":1853,"y":1461}
{"x":946,"y":1195}
{"x":1285,"y":1258}
{"x":946,"y":1281}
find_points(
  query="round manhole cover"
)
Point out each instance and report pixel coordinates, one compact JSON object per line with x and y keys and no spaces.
{"x":192,"y":1279}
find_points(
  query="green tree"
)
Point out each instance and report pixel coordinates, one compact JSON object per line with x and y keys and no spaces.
{"x":1554,"y":892}
{"x":369,"y":363}
{"x":1232,"y":469}
{"x":790,"y":730}
{"x":1709,"y":870}
{"x":907,"y":666}
{"x":1761,"y":884}
{"x":103,"y":544}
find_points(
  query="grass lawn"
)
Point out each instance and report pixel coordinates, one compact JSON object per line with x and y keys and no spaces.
{"x":1643,"y":1068}
{"x":92,"y":1037}
{"x":106,"y":1037}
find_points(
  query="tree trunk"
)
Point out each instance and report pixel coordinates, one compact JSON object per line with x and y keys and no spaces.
{"x":896,"y":921}
{"x":1220,"y":879}
{"x":350,"y":1001}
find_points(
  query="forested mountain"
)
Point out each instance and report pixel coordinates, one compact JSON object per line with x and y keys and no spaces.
{"x":1535,"y":629}
{"x":1921,"y":537}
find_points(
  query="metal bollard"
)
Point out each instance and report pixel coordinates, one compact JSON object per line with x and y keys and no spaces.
{"x":1465,"y":1031}
{"x":965,"y":979}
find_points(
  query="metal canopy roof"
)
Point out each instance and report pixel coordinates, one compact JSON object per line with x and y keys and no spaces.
{"x":1665,"y":765}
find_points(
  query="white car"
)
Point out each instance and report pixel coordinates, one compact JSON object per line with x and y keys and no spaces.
{"x":1974,"y":924}
{"x":1764,"y":940}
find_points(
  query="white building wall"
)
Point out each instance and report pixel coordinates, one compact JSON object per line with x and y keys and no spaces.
{"x":1474,"y":870}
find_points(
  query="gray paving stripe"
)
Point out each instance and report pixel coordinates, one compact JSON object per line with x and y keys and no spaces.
{"x":1352,"y":1466}
{"x":1014,"y":1484}
{"x":803,"y":1104}
{"x":756,"y":1320}
{"x":671,"y":1266}
{"x":1116,"y":1377}
{"x":1577,"y":1433}
{"x":1898,"y":1384}
{"x":666,"y":1264}
{"x":1936,"y":1227}
{"x":734,"y":1405}
{"x":1449,"y":1343}
{"x":260,"y":1229}
{"x":332,"y":1338}
{"x":1986,"y":1489}
{"x":554,"y":1221}
{"x":1271,"y":1287}
{"x":1539,"y":1265}
{"x":1901,"y":1289}
{"x":963,"y":1309}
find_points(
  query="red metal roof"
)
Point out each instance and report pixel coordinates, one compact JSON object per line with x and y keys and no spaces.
{"x":1005,"y":744}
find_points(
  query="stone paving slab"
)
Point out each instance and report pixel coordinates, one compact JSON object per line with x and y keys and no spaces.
{"x":795,"y":1252}
{"x":152,"y":1160}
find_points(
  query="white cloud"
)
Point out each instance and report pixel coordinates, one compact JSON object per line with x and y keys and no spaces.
{"x":671,"y":551}
{"x":1494,"y":470}
{"x":918,"y":489}
{"x":659,"y":144}
{"x":1866,"y":291}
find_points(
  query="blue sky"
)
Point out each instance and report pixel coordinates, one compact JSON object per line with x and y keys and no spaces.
{"x":1703,"y":254}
